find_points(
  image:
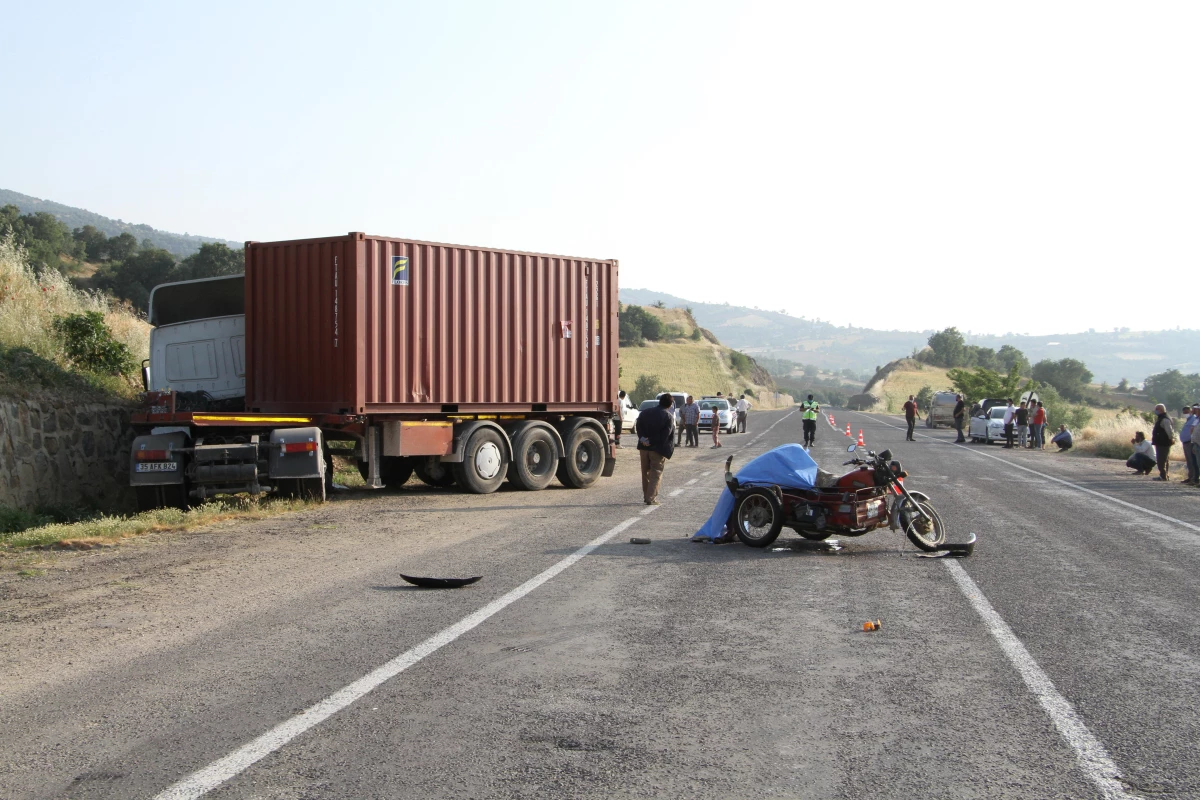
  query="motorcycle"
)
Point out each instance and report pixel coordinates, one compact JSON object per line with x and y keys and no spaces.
{"x":867,"y":498}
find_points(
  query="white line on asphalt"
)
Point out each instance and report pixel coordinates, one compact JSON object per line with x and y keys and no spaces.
{"x":200,"y":783}
{"x":1094,"y":760}
{"x":648,"y":510}
{"x":1076,"y":486}
{"x":706,"y":474}
{"x":677,"y":492}
{"x":694,"y":480}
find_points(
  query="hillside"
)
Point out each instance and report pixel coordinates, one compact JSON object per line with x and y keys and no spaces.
{"x":179,"y":245}
{"x":697,"y":367}
{"x":1111,"y":355}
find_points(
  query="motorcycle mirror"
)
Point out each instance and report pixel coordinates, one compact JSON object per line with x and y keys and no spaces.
{"x":851,"y":448}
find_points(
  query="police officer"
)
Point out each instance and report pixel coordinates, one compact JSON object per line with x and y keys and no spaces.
{"x":808,"y":412}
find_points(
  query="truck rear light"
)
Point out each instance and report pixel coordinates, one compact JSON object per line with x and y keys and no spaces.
{"x":299,"y":447}
{"x":152,"y":455}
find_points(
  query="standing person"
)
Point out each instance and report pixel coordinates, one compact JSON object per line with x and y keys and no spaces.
{"x":1038,"y":427}
{"x":743,"y":410}
{"x":691,"y":422}
{"x":911,"y":415}
{"x":808,"y":414}
{"x":1010,"y":420}
{"x":960,"y":415}
{"x":1023,"y":425}
{"x":1162,"y":438}
{"x":1142,"y":460}
{"x":716,"y":425}
{"x":1191,"y":445}
{"x":622,"y":403}
{"x":655,"y":429}
{"x":678,"y":410}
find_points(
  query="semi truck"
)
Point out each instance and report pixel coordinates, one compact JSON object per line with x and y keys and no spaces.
{"x":465,"y":365}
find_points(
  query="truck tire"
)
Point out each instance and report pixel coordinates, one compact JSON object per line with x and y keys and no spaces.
{"x":173,"y":495}
{"x":485,"y":462}
{"x":394,"y":471}
{"x":584,"y":459}
{"x":534,"y":460}
{"x":435,"y":473}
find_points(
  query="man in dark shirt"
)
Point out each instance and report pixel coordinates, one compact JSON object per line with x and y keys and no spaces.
{"x":960,"y":414}
{"x":911,"y":415}
{"x":1162,"y":438}
{"x":655,"y":430}
{"x":1023,"y":425}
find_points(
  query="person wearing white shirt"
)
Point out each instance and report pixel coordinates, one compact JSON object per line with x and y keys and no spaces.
{"x":1142,"y":460}
{"x":743,"y":408}
{"x":1010,"y":418}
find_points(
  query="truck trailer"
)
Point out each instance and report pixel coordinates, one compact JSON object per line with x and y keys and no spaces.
{"x":467,"y":365}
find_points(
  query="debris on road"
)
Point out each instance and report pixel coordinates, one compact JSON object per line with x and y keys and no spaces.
{"x":639,"y":540}
{"x":872,"y":626}
{"x":440,"y":583}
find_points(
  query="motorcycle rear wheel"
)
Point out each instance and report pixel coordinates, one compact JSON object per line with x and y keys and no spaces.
{"x":926,"y":534}
{"x":758,"y":518}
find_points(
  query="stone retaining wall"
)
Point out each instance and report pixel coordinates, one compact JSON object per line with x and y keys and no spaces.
{"x":58,"y":452}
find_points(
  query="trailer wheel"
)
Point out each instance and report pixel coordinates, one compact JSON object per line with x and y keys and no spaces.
{"x":584,"y":459}
{"x":172,"y":495}
{"x":534,"y":460}
{"x":485,"y":463}
{"x":433,"y":472}
{"x":394,"y":471}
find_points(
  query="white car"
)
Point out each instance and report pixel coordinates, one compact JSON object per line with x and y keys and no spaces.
{"x":988,"y":426}
{"x":726,"y":416}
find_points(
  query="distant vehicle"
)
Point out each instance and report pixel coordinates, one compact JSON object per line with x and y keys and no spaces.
{"x":726,"y":416}
{"x":988,"y":426}
{"x":647,"y":405}
{"x":941,"y":410}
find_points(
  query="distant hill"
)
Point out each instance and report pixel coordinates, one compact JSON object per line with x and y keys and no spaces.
{"x":180,"y":245}
{"x":1111,"y":355}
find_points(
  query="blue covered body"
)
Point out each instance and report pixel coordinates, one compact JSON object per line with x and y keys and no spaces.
{"x":788,"y":466}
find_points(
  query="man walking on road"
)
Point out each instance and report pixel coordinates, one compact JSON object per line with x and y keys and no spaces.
{"x":960,"y":415}
{"x":1191,"y":445}
{"x":655,"y":429}
{"x":911,"y":415}
{"x":1162,"y":438}
{"x":808,"y":414}
{"x":1010,"y":419}
{"x":743,"y":409}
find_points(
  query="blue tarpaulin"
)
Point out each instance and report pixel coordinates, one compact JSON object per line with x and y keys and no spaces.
{"x":789,"y":466}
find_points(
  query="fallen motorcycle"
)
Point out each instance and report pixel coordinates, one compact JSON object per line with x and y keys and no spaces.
{"x":869,"y":497}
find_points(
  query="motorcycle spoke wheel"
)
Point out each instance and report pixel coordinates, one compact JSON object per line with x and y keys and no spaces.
{"x":927,"y":534}
{"x":759,"y":519}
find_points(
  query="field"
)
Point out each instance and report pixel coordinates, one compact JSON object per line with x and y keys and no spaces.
{"x":893,"y":390}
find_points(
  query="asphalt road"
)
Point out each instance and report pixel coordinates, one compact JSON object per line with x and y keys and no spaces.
{"x":1059,"y":661}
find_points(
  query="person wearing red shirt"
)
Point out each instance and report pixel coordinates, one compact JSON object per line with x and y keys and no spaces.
{"x":911,"y":415}
{"x":1038,"y":427}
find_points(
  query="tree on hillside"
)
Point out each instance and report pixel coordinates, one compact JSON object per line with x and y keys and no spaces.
{"x":636,"y":324}
{"x":1068,"y":375}
{"x":95,"y":243}
{"x":122,"y":247}
{"x":949,"y":348}
{"x":1173,"y":389}
{"x":1009,"y":355}
{"x":134,"y":278}
{"x":211,"y":261}
{"x":647,"y":387}
{"x":46,"y":241}
{"x":981,"y":383}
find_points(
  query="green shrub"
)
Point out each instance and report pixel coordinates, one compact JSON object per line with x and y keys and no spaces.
{"x":647,"y":387}
{"x":89,"y":345}
{"x":740,"y":362}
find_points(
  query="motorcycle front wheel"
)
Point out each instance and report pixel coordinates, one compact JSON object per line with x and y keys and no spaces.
{"x":927,"y":534}
{"x":758,"y":518}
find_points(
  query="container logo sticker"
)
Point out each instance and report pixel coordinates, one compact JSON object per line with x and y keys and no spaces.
{"x":399,"y":270}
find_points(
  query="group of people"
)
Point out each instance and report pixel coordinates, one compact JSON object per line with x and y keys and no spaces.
{"x":660,"y":429}
{"x":1155,"y":452}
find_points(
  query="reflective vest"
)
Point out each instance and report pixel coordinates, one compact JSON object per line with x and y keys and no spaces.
{"x":809,"y":407}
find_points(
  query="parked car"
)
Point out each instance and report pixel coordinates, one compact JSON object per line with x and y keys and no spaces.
{"x":941,"y":410}
{"x":647,"y":405}
{"x":988,"y":426}
{"x":679,"y":399}
{"x":726,"y":416}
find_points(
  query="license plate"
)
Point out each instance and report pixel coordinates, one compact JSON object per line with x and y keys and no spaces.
{"x":157,"y":466}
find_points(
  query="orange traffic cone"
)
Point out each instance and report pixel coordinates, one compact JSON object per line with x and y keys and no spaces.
{"x":861,"y":443}
{"x":848,"y":429}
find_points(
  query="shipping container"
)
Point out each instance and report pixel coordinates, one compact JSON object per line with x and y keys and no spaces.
{"x":361,"y":324}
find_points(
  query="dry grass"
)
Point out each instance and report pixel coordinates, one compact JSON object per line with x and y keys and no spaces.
{"x":695,"y":367}
{"x":1109,"y":436}
{"x":105,"y":531}
{"x":893,"y":390}
{"x":29,"y":302}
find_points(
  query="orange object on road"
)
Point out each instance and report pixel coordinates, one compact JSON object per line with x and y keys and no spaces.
{"x":861,"y":443}
{"x":868,"y":626}
{"x":848,"y":429}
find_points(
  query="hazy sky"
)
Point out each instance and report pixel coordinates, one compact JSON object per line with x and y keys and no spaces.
{"x":1026,"y":167}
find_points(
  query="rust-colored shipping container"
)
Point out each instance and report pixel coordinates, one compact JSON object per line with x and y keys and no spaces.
{"x":362,"y":324}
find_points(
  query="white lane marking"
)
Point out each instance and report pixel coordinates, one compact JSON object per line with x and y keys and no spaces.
{"x":706,"y":474}
{"x":200,"y":783}
{"x":694,"y":480}
{"x":676,"y":493}
{"x":1094,"y":760}
{"x":648,"y":510}
{"x":1075,"y":486}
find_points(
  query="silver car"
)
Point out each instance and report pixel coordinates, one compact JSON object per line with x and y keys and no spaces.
{"x":988,"y":426}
